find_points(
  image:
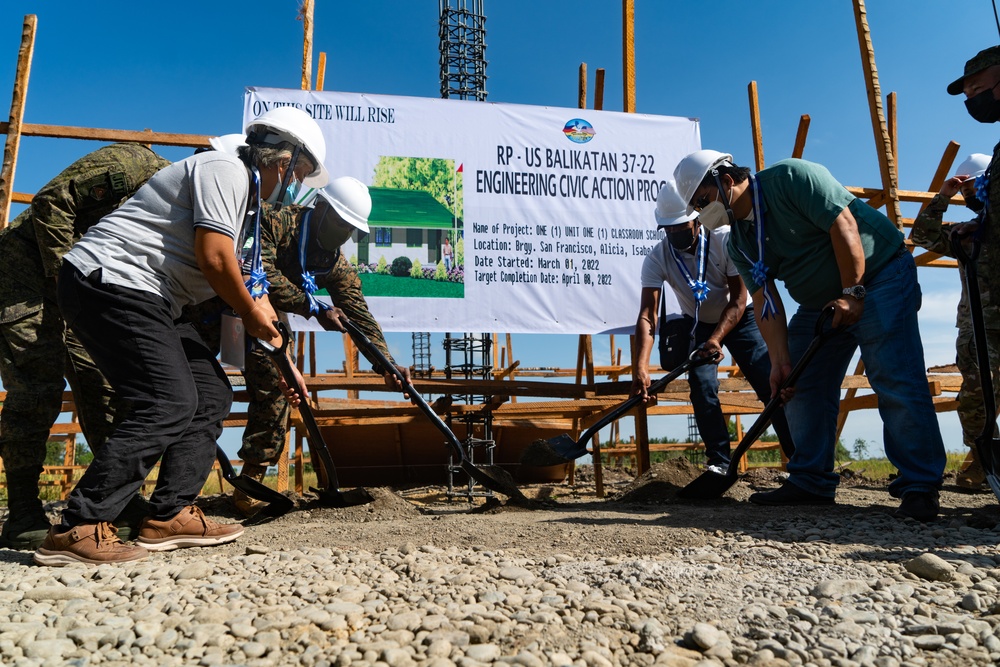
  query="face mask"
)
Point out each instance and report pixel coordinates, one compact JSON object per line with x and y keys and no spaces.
{"x":286,"y":199}
{"x":318,"y":259}
{"x":681,"y":240}
{"x":714,"y":216}
{"x":972,"y":203}
{"x":983,"y":107}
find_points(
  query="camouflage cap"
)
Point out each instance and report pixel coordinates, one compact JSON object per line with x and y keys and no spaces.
{"x":979,"y":62}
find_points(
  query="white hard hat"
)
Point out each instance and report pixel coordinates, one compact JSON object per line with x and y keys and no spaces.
{"x":228,"y":143}
{"x":670,"y":208}
{"x":691,"y":170}
{"x":350,"y":198}
{"x":297,"y":127}
{"x":975,"y":165}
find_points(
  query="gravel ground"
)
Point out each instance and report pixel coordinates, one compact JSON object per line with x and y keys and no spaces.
{"x":640,"y":579}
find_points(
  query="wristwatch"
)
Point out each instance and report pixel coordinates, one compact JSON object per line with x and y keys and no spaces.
{"x":858,"y":292}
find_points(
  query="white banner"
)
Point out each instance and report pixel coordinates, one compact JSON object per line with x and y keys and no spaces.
{"x":548,"y":211}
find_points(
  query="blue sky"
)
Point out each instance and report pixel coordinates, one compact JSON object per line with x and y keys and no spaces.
{"x":182,"y":67}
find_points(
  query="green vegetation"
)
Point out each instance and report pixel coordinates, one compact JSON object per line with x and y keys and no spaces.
{"x":373,"y":284}
{"x":433,"y":175}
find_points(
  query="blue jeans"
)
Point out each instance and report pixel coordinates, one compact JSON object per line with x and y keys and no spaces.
{"x":748,"y":350}
{"x":893,"y":355}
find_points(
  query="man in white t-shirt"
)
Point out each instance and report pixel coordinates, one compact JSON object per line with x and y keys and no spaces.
{"x":694,"y":263}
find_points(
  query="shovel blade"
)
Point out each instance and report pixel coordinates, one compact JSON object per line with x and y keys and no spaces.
{"x":351,"y":498}
{"x":496,"y":479}
{"x":706,"y":486}
{"x":555,"y":451}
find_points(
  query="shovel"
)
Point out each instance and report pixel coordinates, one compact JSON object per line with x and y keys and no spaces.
{"x":563,"y":449}
{"x":277,"y":503}
{"x":331,"y":495}
{"x":492,"y":477}
{"x":987,"y":446}
{"x":711,"y":484}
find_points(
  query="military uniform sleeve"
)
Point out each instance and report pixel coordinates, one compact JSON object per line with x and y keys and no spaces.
{"x":344,"y":286}
{"x":279,"y":253}
{"x":84,"y":192}
{"x":929,"y":232}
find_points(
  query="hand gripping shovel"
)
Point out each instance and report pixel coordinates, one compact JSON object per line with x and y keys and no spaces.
{"x":492,"y":477}
{"x":563,"y":449}
{"x":277,"y":503}
{"x":330,"y":496}
{"x":710,"y":484}
{"x":987,"y":446}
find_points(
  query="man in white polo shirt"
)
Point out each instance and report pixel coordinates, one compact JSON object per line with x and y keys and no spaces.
{"x":694,"y":262}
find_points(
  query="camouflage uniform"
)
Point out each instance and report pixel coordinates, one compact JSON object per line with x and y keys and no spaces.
{"x":929,"y":232}
{"x":268,"y":411}
{"x":36,"y":350}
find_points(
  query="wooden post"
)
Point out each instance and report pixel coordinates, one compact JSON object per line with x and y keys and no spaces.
{"x":581,"y":87}
{"x":599,"y":89}
{"x":321,"y":71}
{"x":944,"y":167}
{"x":890,"y":112}
{"x":883,"y":143}
{"x":758,"y":138}
{"x":306,"y":13}
{"x":800,"y":136}
{"x":628,"y":55}
{"x":13,"y":142}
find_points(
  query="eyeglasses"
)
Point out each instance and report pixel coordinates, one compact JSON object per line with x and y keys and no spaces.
{"x":701,"y":203}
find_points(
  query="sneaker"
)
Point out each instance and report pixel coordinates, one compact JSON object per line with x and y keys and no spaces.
{"x":919,"y":505}
{"x":190,"y":528}
{"x":789,"y":494}
{"x":91,"y":543}
{"x":25,"y":533}
{"x":718,"y":470}
{"x":973,"y":477}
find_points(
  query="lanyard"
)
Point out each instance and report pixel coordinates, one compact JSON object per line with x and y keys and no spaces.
{"x":759,"y":270}
{"x":308,"y":277}
{"x":699,"y":288}
{"x":257,"y":282}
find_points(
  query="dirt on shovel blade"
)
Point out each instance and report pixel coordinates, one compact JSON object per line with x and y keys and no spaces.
{"x":540,"y":454}
{"x":502,"y":482}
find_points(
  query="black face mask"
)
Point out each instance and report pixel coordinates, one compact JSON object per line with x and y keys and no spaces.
{"x":972,"y":203}
{"x":681,"y":240}
{"x":983,"y":107}
{"x":318,"y":259}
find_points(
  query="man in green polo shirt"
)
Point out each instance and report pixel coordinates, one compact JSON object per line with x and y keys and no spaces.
{"x":795,"y":223}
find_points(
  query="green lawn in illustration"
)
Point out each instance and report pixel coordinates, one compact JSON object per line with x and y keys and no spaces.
{"x":376,"y":284}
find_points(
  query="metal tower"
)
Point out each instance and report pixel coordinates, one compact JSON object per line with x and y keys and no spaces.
{"x":462,"y":31}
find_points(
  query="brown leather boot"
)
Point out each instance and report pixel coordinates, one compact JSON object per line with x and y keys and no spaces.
{"x":245,"y":505}
{"x":973,"y":477}
{"x":189,"y":528}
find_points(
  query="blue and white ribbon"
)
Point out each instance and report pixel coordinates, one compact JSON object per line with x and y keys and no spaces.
{"x":257,"y":284}
{"x":699,"y":288}
{"x":758,"y":270}
{"x":308,"y":277}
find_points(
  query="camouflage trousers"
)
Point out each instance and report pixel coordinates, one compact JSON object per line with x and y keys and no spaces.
{"x":268,"y":412}
{"x":971,"y":411}
{"x":36,"y":353}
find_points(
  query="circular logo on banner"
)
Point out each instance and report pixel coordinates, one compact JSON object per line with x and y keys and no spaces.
{"x":579,"y":131}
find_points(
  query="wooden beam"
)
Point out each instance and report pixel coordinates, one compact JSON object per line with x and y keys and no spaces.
{"x":306,"y":14}
{"x":628,"y":55}
{"x":321,"y":71}
{"x":98,"y":134}
{"x":13,"y":142}
{"x":883,"y":143}
{"x":599,"y":89}
{"x":890,"y":112}
{"x":581,"y":86}
{"x":755,"y":131}
{"x":800,"y":136}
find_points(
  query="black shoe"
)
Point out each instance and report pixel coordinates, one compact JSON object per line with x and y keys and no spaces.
{"x":789,"y":494}
{"x":920,"y":505}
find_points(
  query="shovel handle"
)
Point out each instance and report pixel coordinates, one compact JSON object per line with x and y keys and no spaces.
{"x":764,"y":420}
{"x":284,"y":365}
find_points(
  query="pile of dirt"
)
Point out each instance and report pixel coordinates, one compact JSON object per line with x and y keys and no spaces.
{"x":661,"y":482}
{"x":388,"y":506}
